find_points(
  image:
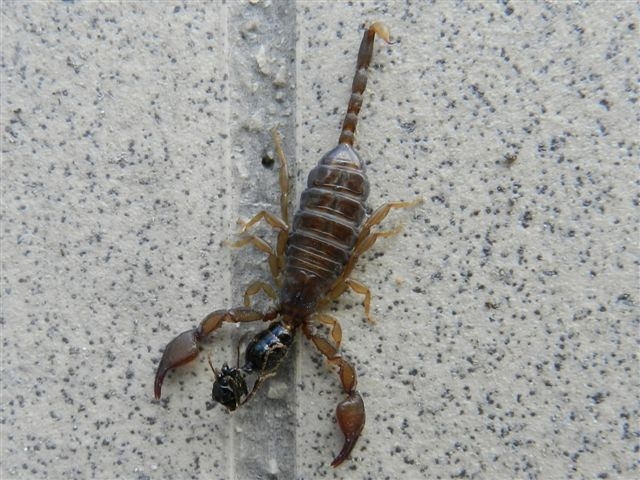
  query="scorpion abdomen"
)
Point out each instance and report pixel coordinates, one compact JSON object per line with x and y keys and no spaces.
{"x":326,"y":226}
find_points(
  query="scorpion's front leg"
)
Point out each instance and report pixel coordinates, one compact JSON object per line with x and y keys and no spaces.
{"x":350,"y":412}
{"x":276,"y":255}
{"x":185,"y":347}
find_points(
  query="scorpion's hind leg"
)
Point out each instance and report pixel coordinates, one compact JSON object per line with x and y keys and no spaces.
{"x":365,"y":241}
{"x":357,"y":287}
{"x":185,"y":347}
{"x":350,"y":412}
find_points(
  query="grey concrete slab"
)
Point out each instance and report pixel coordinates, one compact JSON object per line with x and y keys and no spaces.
{"x":134,"y":135}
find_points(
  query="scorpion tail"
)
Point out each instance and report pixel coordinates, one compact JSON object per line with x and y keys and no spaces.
{"x":360,"y":80}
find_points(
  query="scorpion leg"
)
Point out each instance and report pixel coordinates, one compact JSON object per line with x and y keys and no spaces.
{"x":341,"y":286}
{"x":283,"y":235}
{"x":275,"y":261}
{"x":185,"y":347}
{"x":279,"y":223}
{"x":275,"y":222}
{"x":284,"y":177}
{"x":365,"y":241}
{"x":276,"y":256}
{"x":350,"y":412}
{"x":254,"y":288}
{"x":334,"y":326}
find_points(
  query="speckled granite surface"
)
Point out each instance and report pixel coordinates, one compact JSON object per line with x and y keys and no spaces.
{"x":133,"y":137}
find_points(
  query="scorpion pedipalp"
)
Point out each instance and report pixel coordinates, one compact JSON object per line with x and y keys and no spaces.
{"x":351,"y":417}
{"x":179,"y":351}
{"x":185,"y":347}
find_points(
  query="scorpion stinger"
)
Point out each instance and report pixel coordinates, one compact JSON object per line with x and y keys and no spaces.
{"x":311,"y":265}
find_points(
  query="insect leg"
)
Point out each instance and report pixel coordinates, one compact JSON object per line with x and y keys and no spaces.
{"x":350,"y":412}
{"x":185,"y":347}
{"x":263,"y":375}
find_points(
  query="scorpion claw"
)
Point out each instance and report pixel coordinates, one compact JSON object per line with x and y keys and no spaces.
{"x":181,"y":350}
{"x":351,"y":417}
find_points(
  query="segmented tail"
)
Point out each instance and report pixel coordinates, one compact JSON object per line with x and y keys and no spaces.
{"x":360,"y":80}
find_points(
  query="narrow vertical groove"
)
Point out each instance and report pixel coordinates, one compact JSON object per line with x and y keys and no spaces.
{"x":224,"y":23}
{"x":261,"y":43}
{"x":299,"y":187}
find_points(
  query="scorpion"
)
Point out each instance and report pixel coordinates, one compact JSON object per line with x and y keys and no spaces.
{"x":311,"y":264}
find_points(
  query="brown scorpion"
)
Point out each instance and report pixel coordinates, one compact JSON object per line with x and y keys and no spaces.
{"x":311,"y":264}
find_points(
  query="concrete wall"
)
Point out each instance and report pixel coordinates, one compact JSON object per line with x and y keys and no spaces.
{"x":134,"y":135}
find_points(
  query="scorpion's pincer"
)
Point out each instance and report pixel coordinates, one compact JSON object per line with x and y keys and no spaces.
{"x":179,"y":351}
{"x":351,"y":417}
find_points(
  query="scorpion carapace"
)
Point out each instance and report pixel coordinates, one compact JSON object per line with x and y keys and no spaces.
{"x":311,"y":264}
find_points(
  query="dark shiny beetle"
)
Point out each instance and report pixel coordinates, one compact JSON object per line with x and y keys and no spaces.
{"x":311,"y":264}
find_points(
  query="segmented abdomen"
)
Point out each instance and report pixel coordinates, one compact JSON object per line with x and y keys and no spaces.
{"x":325,"y":227}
